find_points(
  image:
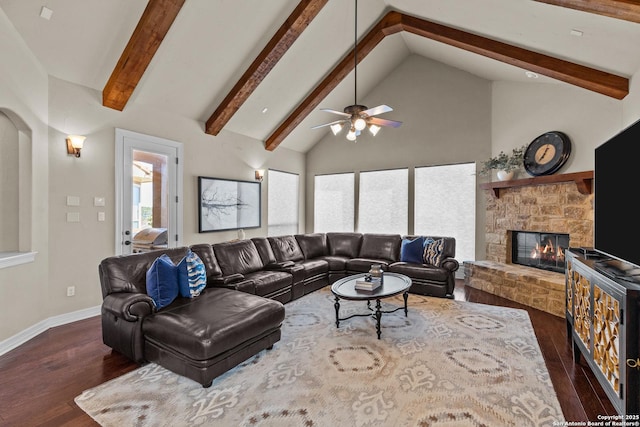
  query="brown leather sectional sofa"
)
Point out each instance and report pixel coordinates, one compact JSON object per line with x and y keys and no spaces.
{"x":205,"y":336}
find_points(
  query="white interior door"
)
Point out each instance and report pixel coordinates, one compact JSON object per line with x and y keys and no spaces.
{"x":148,"y":189}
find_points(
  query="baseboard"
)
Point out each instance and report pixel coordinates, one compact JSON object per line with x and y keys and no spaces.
{"x":35,"y":330}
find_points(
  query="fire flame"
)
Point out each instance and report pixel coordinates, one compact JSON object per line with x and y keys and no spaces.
{"x":547,"y":252}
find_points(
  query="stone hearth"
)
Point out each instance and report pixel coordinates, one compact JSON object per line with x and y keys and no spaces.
{"x":530,"y":286}
{"x":557,"y":207}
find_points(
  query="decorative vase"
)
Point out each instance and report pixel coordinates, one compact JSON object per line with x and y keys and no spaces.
{"x":241,"y":234}
{"x":504,"y":175}
{"x":376,"y":270}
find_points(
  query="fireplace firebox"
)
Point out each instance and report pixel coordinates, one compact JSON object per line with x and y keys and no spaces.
{"x":541,"y":250}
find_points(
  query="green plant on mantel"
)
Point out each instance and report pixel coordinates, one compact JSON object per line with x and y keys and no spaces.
{"x":504,"y":161}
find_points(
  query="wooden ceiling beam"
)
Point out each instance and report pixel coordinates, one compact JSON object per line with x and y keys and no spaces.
{"x":588,"y":78}
{"x":153,"y":26}
{"x":628,"y":10}
{"x":390,"y":24}
{"x":159,"y":15}
{"x":394,"y":22}
{"x":282,"y":40}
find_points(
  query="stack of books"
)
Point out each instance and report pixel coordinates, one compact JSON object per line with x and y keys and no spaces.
{"x":368,"y":284}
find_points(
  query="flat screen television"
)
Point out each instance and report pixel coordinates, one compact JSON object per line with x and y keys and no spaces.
{"x":616,"y":217}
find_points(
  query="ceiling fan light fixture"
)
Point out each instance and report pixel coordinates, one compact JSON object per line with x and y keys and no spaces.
{"x":358,"y":117}
{"x":359,"y":123}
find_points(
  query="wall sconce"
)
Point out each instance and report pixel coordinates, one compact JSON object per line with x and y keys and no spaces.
{"x":75,"y":144}
{"x":259,"y":175}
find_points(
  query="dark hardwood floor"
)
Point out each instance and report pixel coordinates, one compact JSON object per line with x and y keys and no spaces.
{"x":40,"y":379}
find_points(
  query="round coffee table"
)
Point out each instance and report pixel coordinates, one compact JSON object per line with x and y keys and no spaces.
{"x":392,"y":284}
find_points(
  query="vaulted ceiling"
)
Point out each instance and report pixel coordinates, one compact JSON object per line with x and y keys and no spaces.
{"x":262,"y":69}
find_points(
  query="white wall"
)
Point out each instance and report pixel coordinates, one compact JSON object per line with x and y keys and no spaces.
{"x":523,"y":111}
{"x":446,"y":116}
{"x":631,"y":103}
{"x":24,"y":291}
{"x":77,"y":248}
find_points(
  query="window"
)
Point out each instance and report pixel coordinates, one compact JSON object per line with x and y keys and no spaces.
{"x":384,"y":201}
{"x":333,"y":203}
{"x":282,"y":203}
{"x":445,"y":205}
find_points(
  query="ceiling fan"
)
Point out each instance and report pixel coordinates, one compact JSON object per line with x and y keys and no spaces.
{"x":358,"y":117}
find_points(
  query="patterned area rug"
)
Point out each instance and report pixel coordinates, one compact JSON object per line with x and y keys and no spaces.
{"x":449,"y":363}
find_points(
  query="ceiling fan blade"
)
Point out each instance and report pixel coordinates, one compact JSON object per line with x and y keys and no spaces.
{"x":384,"y":122}
{"x":328,"y":124}
{"x":377,"y":110}
{"x":329,"y":110}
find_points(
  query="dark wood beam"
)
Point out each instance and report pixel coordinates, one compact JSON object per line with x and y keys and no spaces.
{"x":137,"y":55}
{"x":390,"y":24}
{"x":628,"y":10}
{"x":568,"y":72}
{"x":282,"y":40}
{"x":393,"y":22}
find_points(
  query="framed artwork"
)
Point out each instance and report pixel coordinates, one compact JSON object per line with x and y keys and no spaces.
{"x":226,"y":204}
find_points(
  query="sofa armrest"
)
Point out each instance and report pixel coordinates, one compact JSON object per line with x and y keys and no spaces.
{"x":450,"y":264}
{"x":225,"y":281}
{"x":128,"y":306}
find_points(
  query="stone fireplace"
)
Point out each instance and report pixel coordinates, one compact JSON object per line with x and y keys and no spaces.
{"x":560,"y":203}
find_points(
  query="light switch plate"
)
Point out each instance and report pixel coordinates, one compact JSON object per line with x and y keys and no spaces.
{"x":98,"y":201}
{"x":73,"y":201}
{"x":100,"y":216}
{"x":73,"y":216}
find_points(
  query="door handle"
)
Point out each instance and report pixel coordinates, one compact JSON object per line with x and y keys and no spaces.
{"x":127,"y":242}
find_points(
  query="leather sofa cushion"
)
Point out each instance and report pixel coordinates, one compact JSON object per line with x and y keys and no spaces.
{"x":313,"y":245}
{"x":420,"y":272}
{"x":344,"y":244}
{"x":264,"y":249}
{"x":381,"y":246}
{"x":314,"y":267}
{"x":286,"y":248}
{"x":267,"y":282}
{"x":245,"y":286}
{"x":216,"y":321}
{"x":238,"y":257}
{"x":337,"y":263}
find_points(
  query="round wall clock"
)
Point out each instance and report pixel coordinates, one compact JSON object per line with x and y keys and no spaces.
{"x":547,"y":153}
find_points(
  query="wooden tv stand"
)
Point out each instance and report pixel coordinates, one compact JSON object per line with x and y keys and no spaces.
{"x":602,"y":321}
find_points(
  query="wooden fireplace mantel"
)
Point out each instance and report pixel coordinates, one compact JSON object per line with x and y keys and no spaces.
{"x":583,"y":181}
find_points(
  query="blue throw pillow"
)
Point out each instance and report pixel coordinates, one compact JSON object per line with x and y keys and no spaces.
{"x":192,"y":276}
{"x":162,"y":281}
{"x":411,"y":250}
{"x":433,"y":251}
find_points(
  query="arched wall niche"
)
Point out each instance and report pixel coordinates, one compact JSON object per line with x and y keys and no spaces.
{"x":15,"y":185}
